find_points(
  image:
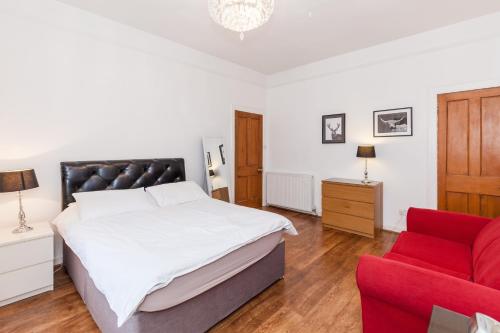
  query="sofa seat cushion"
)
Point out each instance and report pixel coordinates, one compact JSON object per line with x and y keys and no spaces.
{"x":449,"y":255}
{"x":426,"y":265}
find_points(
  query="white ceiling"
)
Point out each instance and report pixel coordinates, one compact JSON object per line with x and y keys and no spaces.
{"x":300,"y":31}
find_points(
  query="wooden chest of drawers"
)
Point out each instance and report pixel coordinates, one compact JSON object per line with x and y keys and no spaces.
{"x":221,"y":193}
{"x":352,"y":206}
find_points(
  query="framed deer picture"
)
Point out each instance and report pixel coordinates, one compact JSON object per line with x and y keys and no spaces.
{"x":393,"y":122}
{"x":333,"y":128}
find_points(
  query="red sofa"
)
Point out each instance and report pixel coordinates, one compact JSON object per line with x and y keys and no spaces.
{"x":446,"y":259}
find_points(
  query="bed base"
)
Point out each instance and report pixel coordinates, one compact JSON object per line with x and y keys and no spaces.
{"x":197,"y":314}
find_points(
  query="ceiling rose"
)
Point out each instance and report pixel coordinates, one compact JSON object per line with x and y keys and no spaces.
{"x":241,"y":15}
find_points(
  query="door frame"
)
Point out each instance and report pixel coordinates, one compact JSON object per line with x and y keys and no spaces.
{"x":241,"y":110}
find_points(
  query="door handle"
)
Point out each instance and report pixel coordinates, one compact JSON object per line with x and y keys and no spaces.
{"x":259,"y":170}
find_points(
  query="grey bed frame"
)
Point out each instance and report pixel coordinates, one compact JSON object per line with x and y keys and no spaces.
{"x":197,"y":314}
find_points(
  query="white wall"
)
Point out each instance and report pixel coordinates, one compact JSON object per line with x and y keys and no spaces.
{"x":74,"y":86}
{"x":406,"y":72}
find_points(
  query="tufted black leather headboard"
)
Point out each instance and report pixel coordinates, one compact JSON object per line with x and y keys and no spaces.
{"x":114,"y":175}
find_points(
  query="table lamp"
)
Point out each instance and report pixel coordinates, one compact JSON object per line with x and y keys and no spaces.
{"x":366,"y":152}
{"x":17,"y":181}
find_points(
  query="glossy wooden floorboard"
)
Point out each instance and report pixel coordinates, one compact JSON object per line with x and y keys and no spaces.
{"x":318,"y":293}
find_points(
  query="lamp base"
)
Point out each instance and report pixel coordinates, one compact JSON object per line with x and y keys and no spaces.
{"x":22,"y":229}
{"x":365,"y":180}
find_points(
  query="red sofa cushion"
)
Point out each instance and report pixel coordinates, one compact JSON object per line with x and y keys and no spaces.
{"x":486,"y":255}
{"x":447,"y":254}
{"x":426,"y":265}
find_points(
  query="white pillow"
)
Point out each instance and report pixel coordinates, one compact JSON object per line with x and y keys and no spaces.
{"x":68,"y":214}
{"x":176,"y":193}
{"x":97,"y":204}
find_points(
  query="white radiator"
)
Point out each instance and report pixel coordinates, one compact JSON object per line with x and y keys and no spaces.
{"x":289,"y":190}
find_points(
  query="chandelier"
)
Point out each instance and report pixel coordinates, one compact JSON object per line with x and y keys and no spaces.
{"x":241,"y":15}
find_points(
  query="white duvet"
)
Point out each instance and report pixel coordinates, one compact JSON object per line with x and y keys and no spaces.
{"x":133,"y":254}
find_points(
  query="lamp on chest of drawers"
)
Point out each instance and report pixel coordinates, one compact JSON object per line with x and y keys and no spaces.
{"x":366,"y":152}
{"x":17,"y":181}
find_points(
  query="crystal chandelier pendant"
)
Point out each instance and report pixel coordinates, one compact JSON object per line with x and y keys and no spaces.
{"x":241,"y":15}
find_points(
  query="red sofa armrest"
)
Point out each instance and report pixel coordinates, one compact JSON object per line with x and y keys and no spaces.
{"x":415,"y":290}
{"x":456,"y":227}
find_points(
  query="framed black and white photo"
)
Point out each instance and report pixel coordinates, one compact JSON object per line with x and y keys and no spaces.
{"x":222,"y":154}
{"x":393,"y":122}
{"x":333,"y":128}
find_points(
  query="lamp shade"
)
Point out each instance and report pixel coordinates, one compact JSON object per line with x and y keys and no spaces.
{"x":20,"y":180}
{"x":366,"y":151}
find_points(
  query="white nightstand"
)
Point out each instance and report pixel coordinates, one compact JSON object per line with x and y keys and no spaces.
{"x":26,"y":263}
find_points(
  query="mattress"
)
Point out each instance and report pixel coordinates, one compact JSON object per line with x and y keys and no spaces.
{"x":195,"y":283}
{"x":195,"y":315}
{"x":190,"y":247}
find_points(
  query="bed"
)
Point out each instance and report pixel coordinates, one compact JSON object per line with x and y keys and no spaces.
{"x":192,"y":302}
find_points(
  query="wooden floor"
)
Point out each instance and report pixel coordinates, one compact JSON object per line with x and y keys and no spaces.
{"x":318,"y":293}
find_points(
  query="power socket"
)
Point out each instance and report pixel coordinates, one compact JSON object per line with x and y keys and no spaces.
{"x":402,"y":217}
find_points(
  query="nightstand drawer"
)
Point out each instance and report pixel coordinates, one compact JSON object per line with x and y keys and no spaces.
{"x":26,"y":280}
{"x":355,"y":208}
{"x":355,"y":193}
{"x":26,"y":253}
{"x":348,"y":223}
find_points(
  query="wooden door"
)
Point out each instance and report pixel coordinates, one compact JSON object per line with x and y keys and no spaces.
{"x":248,"y":154}
{"x":469,"y":152}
